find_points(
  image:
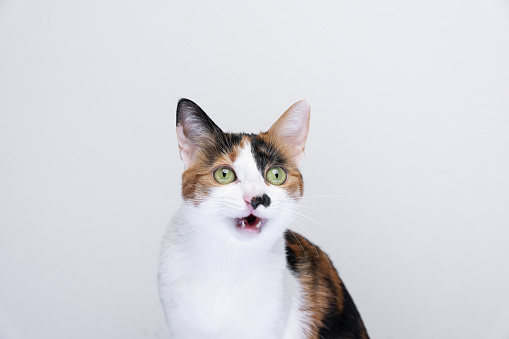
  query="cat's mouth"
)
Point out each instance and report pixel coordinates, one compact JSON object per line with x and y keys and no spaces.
{"x":250,"y":224}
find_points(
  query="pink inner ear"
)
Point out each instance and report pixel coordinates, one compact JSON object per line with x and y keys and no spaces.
{"x":292,"y":128}
{"x":186,"y":147}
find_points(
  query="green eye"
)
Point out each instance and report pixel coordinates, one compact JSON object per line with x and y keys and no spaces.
{"x":276,"y":175}
{"x":224,"y":175}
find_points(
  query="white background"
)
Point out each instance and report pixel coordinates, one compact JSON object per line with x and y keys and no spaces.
{"x":406,"y":169}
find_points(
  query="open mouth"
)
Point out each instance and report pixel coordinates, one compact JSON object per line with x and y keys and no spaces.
{"x":251,"y":224}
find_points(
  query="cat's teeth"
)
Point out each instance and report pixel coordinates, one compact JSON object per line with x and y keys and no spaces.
{"x":243,"y":224}
{"x":259,"y":223}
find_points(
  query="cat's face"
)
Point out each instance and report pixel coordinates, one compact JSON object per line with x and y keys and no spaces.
{"x":241,"y":187}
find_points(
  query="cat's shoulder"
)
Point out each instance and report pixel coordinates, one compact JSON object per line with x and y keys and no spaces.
{"x":304,"y":257}
{"x":332,"y":311}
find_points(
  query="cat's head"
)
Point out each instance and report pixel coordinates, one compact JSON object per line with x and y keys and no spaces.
{"x":238,"y":186}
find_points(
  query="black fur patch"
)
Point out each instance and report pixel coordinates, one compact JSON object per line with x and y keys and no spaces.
{"x":265,"y":154}
{"x":293,"y":261}
{"x":224,"y":144}
{"x":264,"y":200}
{"x":188,"y":110}
{"x":345,"y":324}
{"x":291,"y":258}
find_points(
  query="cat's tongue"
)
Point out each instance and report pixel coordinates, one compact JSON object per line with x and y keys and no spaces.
{"x":249,"y":224}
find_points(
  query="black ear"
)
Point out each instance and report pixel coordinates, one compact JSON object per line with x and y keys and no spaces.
{"x":194,"y":127}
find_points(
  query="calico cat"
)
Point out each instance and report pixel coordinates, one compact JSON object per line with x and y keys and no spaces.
{"x":230,"y":268}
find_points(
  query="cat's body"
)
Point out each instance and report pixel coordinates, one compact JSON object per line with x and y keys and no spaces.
{"x":229,"y":268}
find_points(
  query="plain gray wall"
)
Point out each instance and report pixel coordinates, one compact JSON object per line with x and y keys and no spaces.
{"x":406,"y":170}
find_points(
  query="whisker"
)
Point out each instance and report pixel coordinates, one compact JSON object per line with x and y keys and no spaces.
{"x":323,"y":196}
{"x":298,"y":241}
{"x":316,"y":250}
{"x":324,"y":226}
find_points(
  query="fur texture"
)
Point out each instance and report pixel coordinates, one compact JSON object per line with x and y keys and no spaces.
{"x":229,"y":268}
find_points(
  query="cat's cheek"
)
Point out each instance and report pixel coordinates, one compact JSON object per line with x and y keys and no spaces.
{"x":210,"y":221}
{"x":294,"y":185}
{"x":282,"y":208}
{"x":228,"y":199}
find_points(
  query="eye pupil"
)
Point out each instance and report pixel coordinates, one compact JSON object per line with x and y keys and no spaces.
{"x":276,"y":175}
{"x":225,"y":172}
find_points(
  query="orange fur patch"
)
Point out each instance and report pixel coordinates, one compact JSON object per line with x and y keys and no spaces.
{"x":198,"y":179}
{"x":323,"y":289}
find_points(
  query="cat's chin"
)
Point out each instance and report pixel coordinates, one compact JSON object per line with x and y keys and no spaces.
{"x":250,"y":225}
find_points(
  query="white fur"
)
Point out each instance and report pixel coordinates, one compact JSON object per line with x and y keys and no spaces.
{"x":216,"y":282}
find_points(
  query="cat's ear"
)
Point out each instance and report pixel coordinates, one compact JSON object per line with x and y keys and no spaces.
{"x":292,"y":129}
{"x":194,"y":128}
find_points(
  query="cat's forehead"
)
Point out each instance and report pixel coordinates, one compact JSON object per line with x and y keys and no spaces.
{"x":253,"y":149}
{"x":245,"y":164}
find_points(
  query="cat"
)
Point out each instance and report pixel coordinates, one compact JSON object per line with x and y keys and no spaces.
{"x":229,"y":267}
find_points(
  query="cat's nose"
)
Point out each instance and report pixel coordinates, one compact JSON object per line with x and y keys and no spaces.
{"x":264,"y":200}
{"x":248,"y":198}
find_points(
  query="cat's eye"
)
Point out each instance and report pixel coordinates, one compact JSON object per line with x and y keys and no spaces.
{"x":224,"y":175}
{"x":276,"y":175}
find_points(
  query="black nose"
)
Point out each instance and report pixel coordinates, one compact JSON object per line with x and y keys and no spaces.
{"x":263,"y":200}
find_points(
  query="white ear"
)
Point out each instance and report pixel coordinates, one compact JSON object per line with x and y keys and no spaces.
{"x":292,"y":128}
{"x":194,"y":128}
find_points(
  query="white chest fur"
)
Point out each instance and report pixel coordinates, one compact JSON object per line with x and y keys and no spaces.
{"x":211,"y":289}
